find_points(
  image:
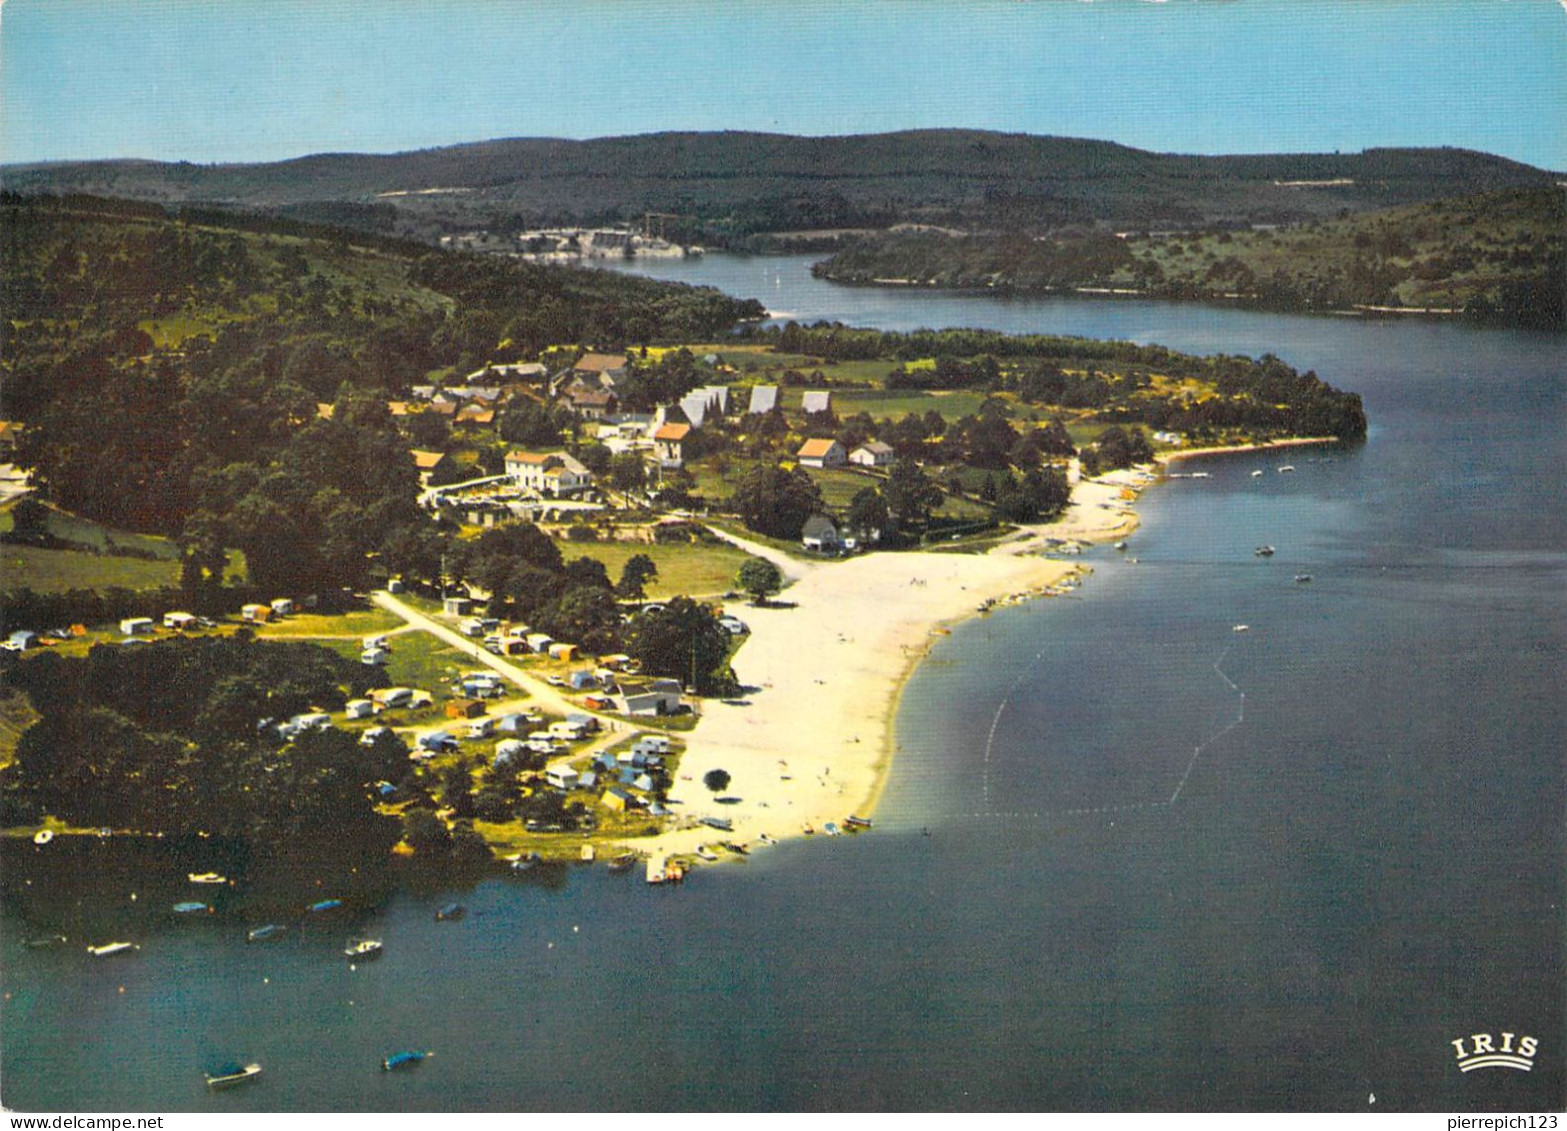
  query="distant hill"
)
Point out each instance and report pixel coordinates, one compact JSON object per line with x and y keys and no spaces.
{"x":730,"y":186}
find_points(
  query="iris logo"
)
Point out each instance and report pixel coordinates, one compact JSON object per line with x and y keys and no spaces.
{"x":1485,"y":1051}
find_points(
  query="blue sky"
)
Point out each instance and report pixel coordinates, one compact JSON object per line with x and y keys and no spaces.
{"x":246,"y":80}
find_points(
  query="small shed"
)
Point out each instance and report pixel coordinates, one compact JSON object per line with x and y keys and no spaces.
{"x":456,"y":606}
{"x":540,"y":641}
{"x":481,"y":728}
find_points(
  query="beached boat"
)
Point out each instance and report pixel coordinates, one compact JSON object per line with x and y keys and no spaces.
{"x":1120,"y":545}
{"x":857,"y":822}
{"x":723,"y":824}
{"x":363,"y":950}
{"x":1264,"y":551}
{"x":267,"y":933}
{"x":43,"y":836}
{"x":111,"y":948}
{"x":623,"y":862}
{"x":206,"y":878}
{"x":527,"y":862}
{"x":808,"y":829}
{"x":831,"y":829}
{"x":191,"y":907}
{"x":231,"y":1074}
{"x":450,"y":913}
{"x":706,"y":853}
{"x":401,"y":1060}
{"x":737,"y":849}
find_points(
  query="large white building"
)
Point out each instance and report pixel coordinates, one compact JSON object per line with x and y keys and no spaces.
{"x":553,"y":474}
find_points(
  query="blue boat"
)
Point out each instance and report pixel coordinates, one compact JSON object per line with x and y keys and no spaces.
{"x":325,"y":905}
{"x":191,"y":907}
{"x":403,"y":1060}
{"x":267,"y":933}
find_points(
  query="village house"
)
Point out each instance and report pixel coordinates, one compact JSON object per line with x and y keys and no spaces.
{"x":873,"y":454}
{"x":603,"y":369}
{"x":593,"y":404}
{"x":427,"y":462}
{"x":553,"y":474}
{"x":669,"y":444}
{"x":821,"y":453}
{"x":820,"y":534}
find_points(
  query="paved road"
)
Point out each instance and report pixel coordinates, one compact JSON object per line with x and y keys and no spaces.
{"x":792,"y":568}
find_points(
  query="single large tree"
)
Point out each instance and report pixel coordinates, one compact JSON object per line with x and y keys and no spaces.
{"x":683,"y":641}
{"x":760,"y":578}
{"x":910,"y":496}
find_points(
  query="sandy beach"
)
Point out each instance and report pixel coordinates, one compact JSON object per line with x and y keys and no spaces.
{"x":810,"y":741}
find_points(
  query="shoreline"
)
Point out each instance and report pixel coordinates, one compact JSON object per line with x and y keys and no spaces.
{"x":813,"y":738}
{"x":1177,"y":454}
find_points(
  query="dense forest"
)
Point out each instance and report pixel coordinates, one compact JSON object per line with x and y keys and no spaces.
{"x":163,"y":739}
{"x":1498,"y":256}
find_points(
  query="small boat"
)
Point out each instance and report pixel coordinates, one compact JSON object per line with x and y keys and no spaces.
{"x":831,"y":829}
{"x":527,"y":862}
{"x":623,"y":862}
{"x":43,"y":836}
{"x":231,"y":1074}
{"x":857,"y":822}
{"x":450,"y":913}
{"x":737,"y":849}
{"x":363,"y":950}
{"x":764,"y":838}
{"x":267,"y":933}
{"x":403,"y":1060}
{"x":1201,"y":475}
{"x":44,"y":942}
{"x":723,"y":824}
{"x":588,"y":854}
{"x":656,"y":873}
{"x":1264,"y":551}
{"x":324,"y":905}
{"x":1257,"y":474}
{"x":1120,"y":545}
{"x":706,"y":853}
{"x":1302,"y":578}
{"x":808,"y":829}
{"x":191,"y":907}
{"x":111,"y":948}
{"x":1241,"y":628}
{"x":1286,"y":469}
{"x":206,"y":878}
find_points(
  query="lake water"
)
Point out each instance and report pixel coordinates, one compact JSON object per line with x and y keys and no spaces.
{"x":1361,"y":863}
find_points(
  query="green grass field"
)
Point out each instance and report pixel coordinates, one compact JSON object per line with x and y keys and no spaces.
{"x":55,"y":571}
{"x":693,"y":570}
{"x":353,"y":625}
{"x":418,"y":660}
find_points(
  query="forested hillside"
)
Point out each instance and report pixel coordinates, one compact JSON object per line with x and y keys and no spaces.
{"x":726,"y":187}
{"x":169,"y":372}
{"x":1494,"y":256}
